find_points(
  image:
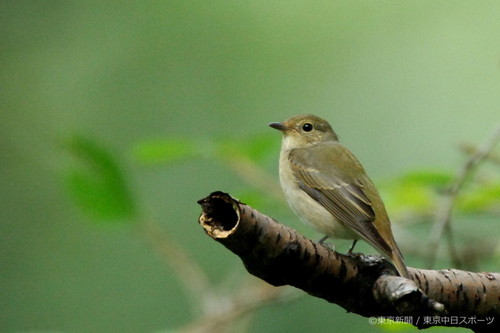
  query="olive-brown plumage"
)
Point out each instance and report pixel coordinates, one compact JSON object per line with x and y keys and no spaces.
{"x":327,"y":187}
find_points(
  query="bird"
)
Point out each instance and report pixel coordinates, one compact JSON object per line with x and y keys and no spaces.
{"x":328,"y":188}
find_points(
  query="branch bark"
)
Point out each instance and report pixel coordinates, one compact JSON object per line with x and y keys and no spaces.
{"x":366,"y":285}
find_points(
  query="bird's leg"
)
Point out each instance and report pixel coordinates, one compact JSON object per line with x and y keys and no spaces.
{"x":323,"y":239}
{"x":352,"y":246}
{"x":328,"y":245}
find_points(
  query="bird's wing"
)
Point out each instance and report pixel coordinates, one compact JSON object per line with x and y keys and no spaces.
{"x":332,"y":176}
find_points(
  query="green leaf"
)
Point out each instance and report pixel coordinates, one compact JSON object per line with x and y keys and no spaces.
{"x":260,"y":146}
{"x":416,"y":192}
{"x":164,"y":151}
{"x":428,"y":178}
{"x":96,"y":182}
{"x":254,"y":147}
{"x":480,"y":198}
{"x":410,"y":198}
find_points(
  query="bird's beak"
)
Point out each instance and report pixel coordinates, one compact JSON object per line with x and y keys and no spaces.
{"x":279,"y":126}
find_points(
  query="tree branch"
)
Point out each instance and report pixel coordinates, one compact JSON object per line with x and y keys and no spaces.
{"x":443,"y":219}
{"x":366,"y":285}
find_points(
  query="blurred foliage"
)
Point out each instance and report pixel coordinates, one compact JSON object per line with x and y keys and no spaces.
{"x":481,"y":197}
{"x":255,"y":147}
{"x":99,"y":186}
{"x":156,"y":152}
{"x":392,"y":326}
{"x":416,"y":192}
{"x":162,"y":152}
{"x":97,"y":183}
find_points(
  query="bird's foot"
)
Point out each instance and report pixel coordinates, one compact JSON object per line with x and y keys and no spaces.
{"x":356,"y":255}
{"x":323,"y":239}
{"x":328,"y":245}
{"x":349,"y":252}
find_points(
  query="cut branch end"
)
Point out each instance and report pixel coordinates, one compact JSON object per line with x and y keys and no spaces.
{"x":220,"y":216}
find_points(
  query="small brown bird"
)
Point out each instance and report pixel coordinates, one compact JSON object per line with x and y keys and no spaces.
{"x":327,"y":187}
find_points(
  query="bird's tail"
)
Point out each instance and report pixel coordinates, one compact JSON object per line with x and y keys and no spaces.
{"x":398,"y":261}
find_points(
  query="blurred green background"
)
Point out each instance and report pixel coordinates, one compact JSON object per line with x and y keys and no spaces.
{"x":157,"y":97}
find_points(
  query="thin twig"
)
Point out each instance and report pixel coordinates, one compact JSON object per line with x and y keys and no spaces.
{"x":261,"y":295}
{"x":254,"y":175}
{"x":443,"y":220}
{"x":471,"y":149}
{"x":189,"y":273}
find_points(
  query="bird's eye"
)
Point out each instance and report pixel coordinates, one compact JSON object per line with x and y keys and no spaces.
{"x":307,"y":127}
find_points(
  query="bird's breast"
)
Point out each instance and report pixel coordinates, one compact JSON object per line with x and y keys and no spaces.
{"x":306,"y":208}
